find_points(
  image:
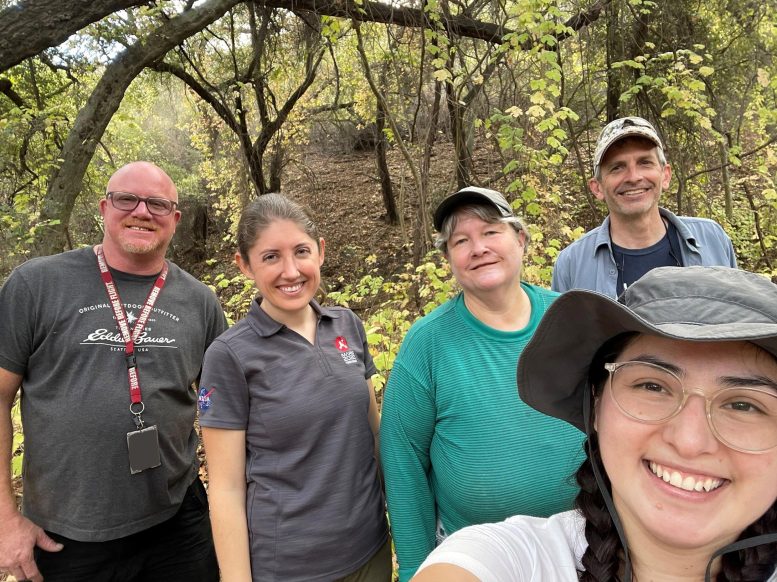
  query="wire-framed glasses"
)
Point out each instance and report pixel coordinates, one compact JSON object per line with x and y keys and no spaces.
{"x":741,"y":416}
{"x":128,"y":202}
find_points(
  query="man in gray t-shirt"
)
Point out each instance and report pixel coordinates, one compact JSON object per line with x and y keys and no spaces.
{"x":106,"y":356}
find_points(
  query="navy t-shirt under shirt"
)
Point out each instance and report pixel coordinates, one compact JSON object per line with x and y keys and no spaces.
{"x":633,"y":263}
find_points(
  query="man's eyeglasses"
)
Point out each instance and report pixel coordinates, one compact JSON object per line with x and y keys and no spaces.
{"x":742,"y":417}
{"x":128,"y":202}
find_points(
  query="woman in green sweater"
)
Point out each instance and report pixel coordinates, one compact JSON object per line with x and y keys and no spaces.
{"x":458,"y":445}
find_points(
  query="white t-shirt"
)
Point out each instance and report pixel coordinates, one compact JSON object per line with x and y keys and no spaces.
{"x":519,"y":549}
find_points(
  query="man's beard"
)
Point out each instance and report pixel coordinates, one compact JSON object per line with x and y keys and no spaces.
{"x":142,"y":249}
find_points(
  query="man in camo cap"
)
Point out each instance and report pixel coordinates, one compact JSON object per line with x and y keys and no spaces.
{"x":630,"y":173}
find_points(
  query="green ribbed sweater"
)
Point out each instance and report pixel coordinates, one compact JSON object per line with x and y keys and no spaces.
{"x":458,"y":445}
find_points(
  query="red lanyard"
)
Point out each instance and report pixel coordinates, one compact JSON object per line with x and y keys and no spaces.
{"x":130,"y":338}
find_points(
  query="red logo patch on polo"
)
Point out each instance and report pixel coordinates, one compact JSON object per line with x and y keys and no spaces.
{"x":341,"y":344}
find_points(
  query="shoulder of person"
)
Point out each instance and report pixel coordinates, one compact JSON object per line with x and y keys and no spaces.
{"x":691,"y":221}
{"x":193,"y":285}
{"x":540,"y":292}
{"x":561,"y":530}
{"x":188,"y":277}
{"x":233,"y":334}
{"x":65,"y":259}
{"x":59,"y":266}
{"x":338,"y":311}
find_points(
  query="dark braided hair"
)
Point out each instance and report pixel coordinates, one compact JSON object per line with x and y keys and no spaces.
{"x":602,"y":559}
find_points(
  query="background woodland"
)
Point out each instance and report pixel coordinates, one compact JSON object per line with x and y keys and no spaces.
{"x":369,"y":112}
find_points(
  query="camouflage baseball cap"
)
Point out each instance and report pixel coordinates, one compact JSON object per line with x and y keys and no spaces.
{"x":625,"y":127}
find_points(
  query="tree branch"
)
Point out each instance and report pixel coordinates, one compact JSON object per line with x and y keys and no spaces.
{"x":193,"y":84}
{"x":6,"y":89}
{"x":464,"y":26}
{"x":31,"y":26}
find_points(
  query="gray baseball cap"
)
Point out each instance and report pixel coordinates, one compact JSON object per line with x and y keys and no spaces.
{"x":683,"y":303}
{"x":471,"y":195}
{"x":626,"y":127}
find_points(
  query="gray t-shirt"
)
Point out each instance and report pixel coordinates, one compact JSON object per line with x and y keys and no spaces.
{"x":314,"y":503}
{"x":59,"y":333}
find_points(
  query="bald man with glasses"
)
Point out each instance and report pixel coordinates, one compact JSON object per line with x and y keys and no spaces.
{"x":630,"y":175}
{"x":105,"y":344}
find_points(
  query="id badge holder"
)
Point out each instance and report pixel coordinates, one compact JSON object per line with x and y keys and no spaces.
{"x":143,"y":448}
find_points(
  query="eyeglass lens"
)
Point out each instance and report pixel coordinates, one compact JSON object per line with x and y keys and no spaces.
{"x":127,"y":202}
{"x":743,"y":417}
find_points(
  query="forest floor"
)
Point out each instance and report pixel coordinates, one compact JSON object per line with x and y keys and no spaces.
{"x":342,"y":193}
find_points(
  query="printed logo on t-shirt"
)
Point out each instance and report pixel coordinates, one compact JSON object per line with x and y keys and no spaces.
{"x":111,"y":336}
{"x":203,"y":399}
{"x":349,"y":357}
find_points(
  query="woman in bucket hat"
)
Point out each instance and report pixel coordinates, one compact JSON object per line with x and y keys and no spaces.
{"x":675,"y":385}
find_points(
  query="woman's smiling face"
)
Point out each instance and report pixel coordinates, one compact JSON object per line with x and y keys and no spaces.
{"x":736,"y":487}
{"x":285,"y":264}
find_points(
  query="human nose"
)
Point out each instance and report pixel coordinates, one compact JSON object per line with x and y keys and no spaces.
{"x":290,"y":269}
{"x":142,"y":209}
{"x":478,"y":246}
{"x":633,"y":173}
{"x":689,"y":432}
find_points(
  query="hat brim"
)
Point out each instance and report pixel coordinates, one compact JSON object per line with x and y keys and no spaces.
{"x":461,"y":198}
{"x":631,"y":131}
{"x":553,"y":367}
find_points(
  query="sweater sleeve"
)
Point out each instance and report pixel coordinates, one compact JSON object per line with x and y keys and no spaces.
{"x":406,"y":430}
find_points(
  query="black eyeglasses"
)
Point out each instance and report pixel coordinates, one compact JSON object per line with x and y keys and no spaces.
{"x":128,"y":202}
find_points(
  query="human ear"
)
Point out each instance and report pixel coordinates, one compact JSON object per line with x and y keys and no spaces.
{"x":597,"y":401}
{"x":667,"y":177}
{"x":596,"y":188}
{"x":244,"y":266}
{"x":321,"y":244}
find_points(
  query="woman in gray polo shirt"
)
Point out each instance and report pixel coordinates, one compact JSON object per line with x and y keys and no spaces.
{"x":289,"y":420}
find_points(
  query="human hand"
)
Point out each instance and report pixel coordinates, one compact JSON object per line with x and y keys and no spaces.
{"x":18,"y":538}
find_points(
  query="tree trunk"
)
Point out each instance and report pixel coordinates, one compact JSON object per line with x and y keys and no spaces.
{"x":460,"y":140}
{"x":93,"y":118}
{"x":614,"y":52}
{"x":276,"y":166}
{"x":392,"y":217}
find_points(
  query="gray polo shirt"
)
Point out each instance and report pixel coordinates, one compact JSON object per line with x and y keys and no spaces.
{"x":314,"y":503}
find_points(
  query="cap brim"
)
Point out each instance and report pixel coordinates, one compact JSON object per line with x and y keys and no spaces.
{"x":631,"y":131}
{"x":460,"y":198}
{"x":553,"y":367}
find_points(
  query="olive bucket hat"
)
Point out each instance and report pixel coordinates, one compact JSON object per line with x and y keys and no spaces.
{"x":683,"y":303}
